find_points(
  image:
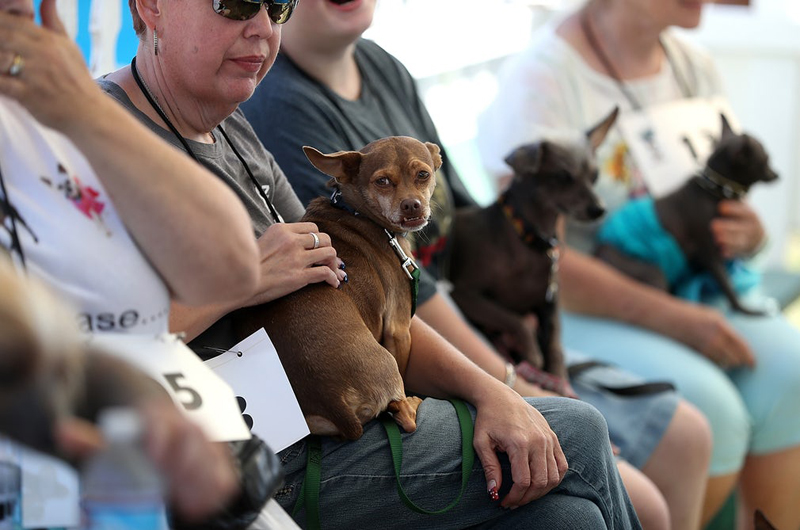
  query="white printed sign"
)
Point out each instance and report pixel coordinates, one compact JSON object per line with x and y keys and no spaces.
{"x":254,"y":371}
{"x":671,"y":141}
{"x":201,"y":394}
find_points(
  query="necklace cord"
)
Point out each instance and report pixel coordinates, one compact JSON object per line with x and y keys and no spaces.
{"x":600,"y":53}
{"x":150,"y":99}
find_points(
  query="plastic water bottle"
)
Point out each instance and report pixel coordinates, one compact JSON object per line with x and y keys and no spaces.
{"x":120,"y":487}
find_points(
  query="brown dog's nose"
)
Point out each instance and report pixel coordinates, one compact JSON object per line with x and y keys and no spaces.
{"x":411,"y":207}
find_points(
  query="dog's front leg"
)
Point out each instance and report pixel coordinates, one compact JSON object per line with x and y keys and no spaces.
{"x":549,"y":336}
{"x":513,"y":336}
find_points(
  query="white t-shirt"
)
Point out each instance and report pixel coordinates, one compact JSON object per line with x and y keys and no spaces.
{"x":69,"y":230}
{"x":548,"y":91}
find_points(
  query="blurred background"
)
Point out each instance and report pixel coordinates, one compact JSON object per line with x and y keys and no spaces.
{"x":454,"y":47}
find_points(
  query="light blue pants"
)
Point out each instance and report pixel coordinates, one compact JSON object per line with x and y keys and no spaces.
{"x":358,"y":487}
{"x":750,"y":411}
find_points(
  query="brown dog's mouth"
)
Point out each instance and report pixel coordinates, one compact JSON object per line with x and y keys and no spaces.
{"x":413,"y":223}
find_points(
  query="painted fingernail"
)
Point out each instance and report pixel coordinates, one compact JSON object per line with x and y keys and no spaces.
{"x":493,"y":490}
{"x":342,"y":265}
{"x":346,"y":279}
{"x":339,"y":285}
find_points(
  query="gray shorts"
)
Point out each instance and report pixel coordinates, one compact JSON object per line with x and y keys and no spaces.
{"x":636,"y":424}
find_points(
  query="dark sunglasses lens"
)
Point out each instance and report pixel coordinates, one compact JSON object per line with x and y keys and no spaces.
{"x":281,"y":10}
{"x":236,"y":9}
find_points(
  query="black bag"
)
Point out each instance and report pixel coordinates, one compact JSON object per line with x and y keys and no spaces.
{"x":261,"y":475}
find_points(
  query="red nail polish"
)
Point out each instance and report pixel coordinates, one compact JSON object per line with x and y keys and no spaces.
{"x":493,"y":494}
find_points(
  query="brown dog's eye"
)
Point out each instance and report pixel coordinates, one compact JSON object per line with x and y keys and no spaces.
{"x":423,"y":175}
{"x":383,"y":182}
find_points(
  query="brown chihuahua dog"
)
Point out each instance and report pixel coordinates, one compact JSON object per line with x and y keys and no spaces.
{"x":345,"y":350}
{"x":737,"y":162}
{"x":505,"y":256}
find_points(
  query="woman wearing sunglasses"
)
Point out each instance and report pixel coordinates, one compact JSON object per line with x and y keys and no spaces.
{"x":104,"y":212}
{"x":194,"y":66}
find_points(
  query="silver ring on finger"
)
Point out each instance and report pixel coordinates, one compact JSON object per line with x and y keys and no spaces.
{"x":316,"y":240}
{"x":17,"y":64}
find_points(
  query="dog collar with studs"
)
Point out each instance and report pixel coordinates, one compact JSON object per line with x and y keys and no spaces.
{"x":719,"y":185}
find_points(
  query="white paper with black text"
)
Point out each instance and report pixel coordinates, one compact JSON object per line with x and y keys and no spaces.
{"x":672,"y":141}
{"x":201,"y":394}
{"x":254,"y":371}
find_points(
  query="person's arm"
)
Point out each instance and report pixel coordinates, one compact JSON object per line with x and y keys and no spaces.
{"x":504,"y":421}
{"x":591,"y":287}
{"x":287,"y":263}
{"x":190,"y":226}
{"x":439,"y":315}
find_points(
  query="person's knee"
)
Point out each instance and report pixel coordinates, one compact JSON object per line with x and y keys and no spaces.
{"x":720,"y":402}
{"x":688,"y":438}
{"x":586,"y":428}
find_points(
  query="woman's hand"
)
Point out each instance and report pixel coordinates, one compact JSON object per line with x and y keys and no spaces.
{"x":705,"y":330}
{"x":289,"y":261}
{"x":737,"y":231}
{"x":54,"y":83}
{"x":506,"y":423}
{"x":178,"y":448}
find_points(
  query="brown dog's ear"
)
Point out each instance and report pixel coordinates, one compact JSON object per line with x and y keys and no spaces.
{"x":727,"y":132}
{"x":598,"y":133}
{"x":761,"y":522}
{"x":342,"y":165}
{"x":526,"y":159}
{"x":434,"y":151}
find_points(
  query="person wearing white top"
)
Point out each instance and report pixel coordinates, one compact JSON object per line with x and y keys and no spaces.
{"x":741,"y":372}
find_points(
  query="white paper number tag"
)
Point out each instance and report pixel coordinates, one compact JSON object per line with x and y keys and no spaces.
{"x":201,"y":394}
{"x":671,"y":141}
{"x":254,"y":371}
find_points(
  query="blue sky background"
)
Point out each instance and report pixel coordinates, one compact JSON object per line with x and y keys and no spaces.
{"x":127,"y":43}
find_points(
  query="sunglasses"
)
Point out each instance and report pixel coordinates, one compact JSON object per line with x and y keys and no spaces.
{"x":279,"y":10}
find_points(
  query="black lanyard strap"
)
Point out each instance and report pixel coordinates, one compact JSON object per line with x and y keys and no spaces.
{"x":143,"y":87}
{"x":600,"y":53}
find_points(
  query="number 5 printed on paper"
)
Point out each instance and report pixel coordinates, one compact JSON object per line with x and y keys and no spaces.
{"x":195,"y":400}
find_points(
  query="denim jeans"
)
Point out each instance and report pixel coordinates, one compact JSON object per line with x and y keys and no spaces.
{"x":358,"y":487}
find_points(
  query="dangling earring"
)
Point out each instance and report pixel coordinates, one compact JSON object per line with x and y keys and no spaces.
{"x":155,"y":41}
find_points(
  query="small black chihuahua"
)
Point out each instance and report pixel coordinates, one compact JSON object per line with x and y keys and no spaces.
{"x":505,"y":256}
{"x":737,"y":162}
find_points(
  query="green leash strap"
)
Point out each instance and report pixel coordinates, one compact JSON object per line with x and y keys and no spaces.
{"x":309,"y":491}
{"x":467,"y":455}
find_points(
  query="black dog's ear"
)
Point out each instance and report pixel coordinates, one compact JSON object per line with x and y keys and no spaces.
{"x":526,"y":159}
{"x":433,"y":149}
{"x":342,"y":165}
{"x":727,"y":132}
{"x":598,"y":133}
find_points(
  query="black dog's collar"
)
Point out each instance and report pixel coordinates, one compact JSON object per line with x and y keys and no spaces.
{"x":536,"y":241}
{"x":719,"y":185}
{"x":526,"y":232}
